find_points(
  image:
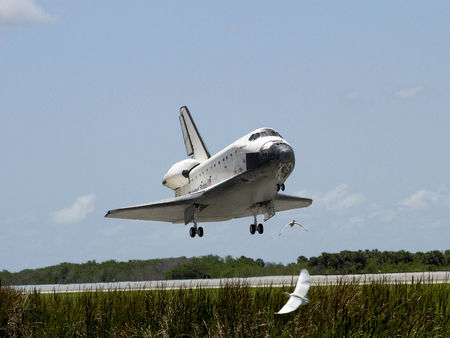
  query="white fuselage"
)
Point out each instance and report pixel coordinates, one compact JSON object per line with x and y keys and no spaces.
{"x":225,"y":164}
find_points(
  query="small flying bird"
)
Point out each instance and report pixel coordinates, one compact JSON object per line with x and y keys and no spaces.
{"x":291,"y":224}
{"x":298,"y":297}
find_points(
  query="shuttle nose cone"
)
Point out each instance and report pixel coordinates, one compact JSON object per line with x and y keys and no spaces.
{"x":278,"y":153}
{"x":282,"y":152}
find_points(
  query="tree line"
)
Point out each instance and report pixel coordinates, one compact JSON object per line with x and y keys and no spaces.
{"x":212,"y":266}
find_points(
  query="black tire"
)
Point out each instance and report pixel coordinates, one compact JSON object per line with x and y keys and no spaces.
{"x":278,"y":187}
{"x":282,"y":187}
{"x":200,"y":232}
{"x":252,"y":229}
{"x":192,"y":232}
{"x":260,"y":228}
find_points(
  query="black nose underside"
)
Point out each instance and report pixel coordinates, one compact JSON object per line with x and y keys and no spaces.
{"x":282,"y":152}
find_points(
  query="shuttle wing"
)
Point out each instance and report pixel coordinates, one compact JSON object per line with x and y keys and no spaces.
{"x":169,"y":210}
{"x":286,"y":202}
{"x":192,"y":139}
{"x":226,"y":200}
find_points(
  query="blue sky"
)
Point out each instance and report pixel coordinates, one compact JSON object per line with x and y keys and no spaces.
{"x":89,"y":99}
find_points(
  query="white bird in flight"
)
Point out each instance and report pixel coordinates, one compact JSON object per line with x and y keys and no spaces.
{"x":298,"y":297}
{"x":291,"y":224}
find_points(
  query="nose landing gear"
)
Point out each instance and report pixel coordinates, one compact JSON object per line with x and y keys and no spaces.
{"x":280,"y":186}
{"x":254,"y":228}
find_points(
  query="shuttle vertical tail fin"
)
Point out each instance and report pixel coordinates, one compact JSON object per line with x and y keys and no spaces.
{"x":192,"y":139}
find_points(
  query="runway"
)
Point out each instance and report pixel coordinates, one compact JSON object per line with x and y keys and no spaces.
{"x":435,"y":277}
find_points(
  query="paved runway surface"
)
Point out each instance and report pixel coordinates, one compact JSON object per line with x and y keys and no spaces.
{"x":274,"y":281}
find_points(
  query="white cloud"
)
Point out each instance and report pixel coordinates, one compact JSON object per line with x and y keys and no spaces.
{"x":22,"y":11}
{"x":339,"y":208}
{"x":408,"y":92}
{"x":339,"y":199}
{"x":385,"y":215}
{"x":76,"y":212}
{"x":422,"y":199}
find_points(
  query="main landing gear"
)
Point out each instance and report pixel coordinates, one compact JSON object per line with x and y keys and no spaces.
{"x":254,"y":227}
{"x":280,"y":186}
{"x":194,"y":230}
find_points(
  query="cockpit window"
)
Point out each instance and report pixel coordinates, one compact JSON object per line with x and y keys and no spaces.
{"x":272,"y":132}
{"x":254,"y":136}
{"x":264,"y":133}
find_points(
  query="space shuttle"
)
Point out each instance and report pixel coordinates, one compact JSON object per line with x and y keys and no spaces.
{"x":242,"y":180}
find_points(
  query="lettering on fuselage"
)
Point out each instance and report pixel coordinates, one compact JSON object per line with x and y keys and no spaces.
{"x":219,"y":168}
{"x":200,"y":187}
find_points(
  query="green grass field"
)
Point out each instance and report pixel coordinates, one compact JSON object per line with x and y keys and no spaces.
{"x":342,"y":310}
